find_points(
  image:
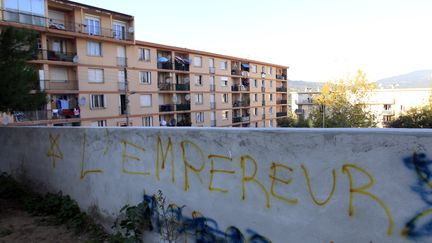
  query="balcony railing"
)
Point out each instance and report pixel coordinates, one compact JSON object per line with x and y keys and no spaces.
{"x":281,"y":76}
{"x":388,"y":112}
{"x":121,"y":61}
{"x":279,"y":102}
{"x":166,"y":108}
{"x":212,"y":105}
{"x":237,"y":87}
{"x":183,"y":107}
{"x":244,"y":103}
{"x":121,"y":86}
{"x":55,"y":55}
{"x":166,"y":86}
{"x":182,"y":87}
{"x":236,"y":72}
{"x":165,"y":65}
{"x":212,"y":123}
{"x":212,"y":70}
{"x":299,"y":111}
{"x":181,"y":66}
{"x":279,"y":114}
{"x":236,"y":119}
{"x":57,"y":85}
{"x":245,"y":118}
{"x":58,"y":24}
{"x":281,"y":89}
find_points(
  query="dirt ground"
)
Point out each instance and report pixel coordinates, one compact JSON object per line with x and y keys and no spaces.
{"x":17,"y":225}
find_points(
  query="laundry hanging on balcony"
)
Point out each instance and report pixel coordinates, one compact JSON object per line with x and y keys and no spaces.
{"x":163,"y":59}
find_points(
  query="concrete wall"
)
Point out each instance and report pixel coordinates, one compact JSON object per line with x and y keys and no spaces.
{"x":283,"y":185}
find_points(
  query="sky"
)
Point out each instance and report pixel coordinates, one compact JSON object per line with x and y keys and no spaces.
{"x":320,"y":40}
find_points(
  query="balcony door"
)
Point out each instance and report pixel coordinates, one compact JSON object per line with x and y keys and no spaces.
{"x":121,"y":55}
{"x":119,"y":30}
{"x":93,"y":25}
{"x":123,"y":104}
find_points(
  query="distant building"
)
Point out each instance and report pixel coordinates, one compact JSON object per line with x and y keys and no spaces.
{"x":96,"y":74}
{"x":386,"y":104}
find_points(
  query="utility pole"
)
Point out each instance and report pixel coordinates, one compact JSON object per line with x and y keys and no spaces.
{"x":126,"y":93}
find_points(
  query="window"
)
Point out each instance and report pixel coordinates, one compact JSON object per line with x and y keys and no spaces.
{"x":198,"y":80}
{"x":224,"y":65}
{"x":145,"y":77}
{"x":97,"y":101}
{"x":144,"y":54}
{"x":225,"y":98}
{"x":211,"y":62}
{"x":270,"y":70}
{"x":255,"y":111}
{"x":263,"y":83}
{"x":224,"y":81}
{"x":262,"y":69}
{"x":271,"y":83}
{"x":147,"y":121}
{"x":271,"y":110}
{"x":200,"y":117}
{"x":225,"y":115}
{"x":95,"y":75}
{"x":119,"y":30}
{"x":92,"y":25}
{"x":255,"y":83}
{"x":256,"y":97}
{"x":35,"y":7}
{"x":197,"y":61}
{"x":199,"y":99}
{"x":271,"y":97}
{"x":146,"y":100}
{"x":253,"y":68}
{"x":94,"y":48}
{"x":100,"y":123}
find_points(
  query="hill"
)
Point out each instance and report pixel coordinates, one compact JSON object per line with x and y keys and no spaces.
{"x":299,"y":85}
{"x":416,"y":79}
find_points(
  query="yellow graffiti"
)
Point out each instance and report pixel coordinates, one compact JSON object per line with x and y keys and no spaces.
{"x":213,"y":171}
{"x":314,"y":199}
{"x":346,"y":169}
{"x":161,"y":154}
{"x":126,"y":157}
{"x":83,"y":172}
{"x":252,"y":178}
{"x":54,"y":151}
{"x":275,"y":179}
{"x":188,"y":165}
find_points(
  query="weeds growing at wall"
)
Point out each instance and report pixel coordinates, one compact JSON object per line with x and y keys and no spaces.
{"x":58,"y":209}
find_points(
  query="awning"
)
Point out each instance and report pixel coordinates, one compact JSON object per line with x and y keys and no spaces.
{"x":179,"y":60}
{"x":245,"y":65}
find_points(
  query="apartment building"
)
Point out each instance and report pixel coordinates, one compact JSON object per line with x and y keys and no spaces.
{"x":386,"y":104}
{"x":96,"y":74}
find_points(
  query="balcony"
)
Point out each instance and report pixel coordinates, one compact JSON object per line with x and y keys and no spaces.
{"x":388,"y":112}
{"x":166,"y":86}
{"x":56,"y":56}
{"x":181,"y":67}
{"x":263,"y":89}
{"x":121,"y":61}
{"x":165,"y":65}
{"x":245,"y":118}
{"x":57,"y":85}
{"x":281,"y":102}
{"x":244,"y":103}
{"x":166,"y":108}
{"x":121,"y":86}
{"x":182,"y":87}
{"x":212,"y":70}
{"x":281,"y":89}
{"x":236,"y":72}
{"x":59,"y":24}
{"x":183,"y":107}
{"x":237,"y":119}
{"x":281,"y":76}
{"x":212,"y":123}
{"x":212,"y":105}
{"x":299,"y":111}
{"x":212,"y":87}
{"x":282,"y":113}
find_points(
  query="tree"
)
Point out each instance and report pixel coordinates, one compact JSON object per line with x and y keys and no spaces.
{"x":18,"y":89}
{"x":291,"y":121}
{"x":343,"y":103}
{"x":417,"y":117}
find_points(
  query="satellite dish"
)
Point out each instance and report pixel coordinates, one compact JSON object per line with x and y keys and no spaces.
{"x":131,"y":29}
{"x":82,"y":101}
{"x":174,"y":99}
{"x":187,"y":97}
{"x":75,"y":59}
